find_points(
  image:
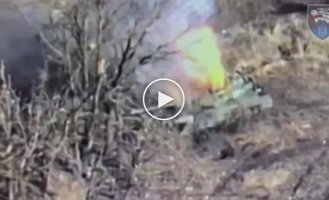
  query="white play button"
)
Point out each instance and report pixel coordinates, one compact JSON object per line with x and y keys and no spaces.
{"x":163,"y":99}
{"x":156,"y":100}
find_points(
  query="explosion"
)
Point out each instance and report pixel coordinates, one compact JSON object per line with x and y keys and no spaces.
{"x":196,"y":64}
{"x":202,"y":59}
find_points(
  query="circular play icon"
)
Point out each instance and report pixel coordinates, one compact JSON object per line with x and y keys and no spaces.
{"x":159,"y":104}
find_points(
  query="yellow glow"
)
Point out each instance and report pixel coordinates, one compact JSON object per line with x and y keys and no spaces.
{"x":200,"y":48}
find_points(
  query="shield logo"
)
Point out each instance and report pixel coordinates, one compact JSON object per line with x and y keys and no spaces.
{"x":318,"y":20}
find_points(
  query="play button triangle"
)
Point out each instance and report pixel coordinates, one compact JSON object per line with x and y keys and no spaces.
{"x":163,"y":99}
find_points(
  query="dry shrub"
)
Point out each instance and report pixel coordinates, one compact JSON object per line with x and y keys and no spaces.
{"x":78,"y":124}
{"x":264,"y":45}
{"x":170,"y":169}
{"x":77,"y":133}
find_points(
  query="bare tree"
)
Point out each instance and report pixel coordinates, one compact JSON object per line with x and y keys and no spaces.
{"x":78,"y":121}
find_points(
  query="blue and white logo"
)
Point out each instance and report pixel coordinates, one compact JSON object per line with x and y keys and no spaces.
{"x":318,"y":20}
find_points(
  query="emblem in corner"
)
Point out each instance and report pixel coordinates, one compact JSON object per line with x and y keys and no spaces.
{"x":318,"y":20}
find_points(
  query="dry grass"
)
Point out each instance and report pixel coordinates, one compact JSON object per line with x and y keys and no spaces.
{"x":269,"y":162}
{"x":170,"y":169}
{"x":81,"y":138}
